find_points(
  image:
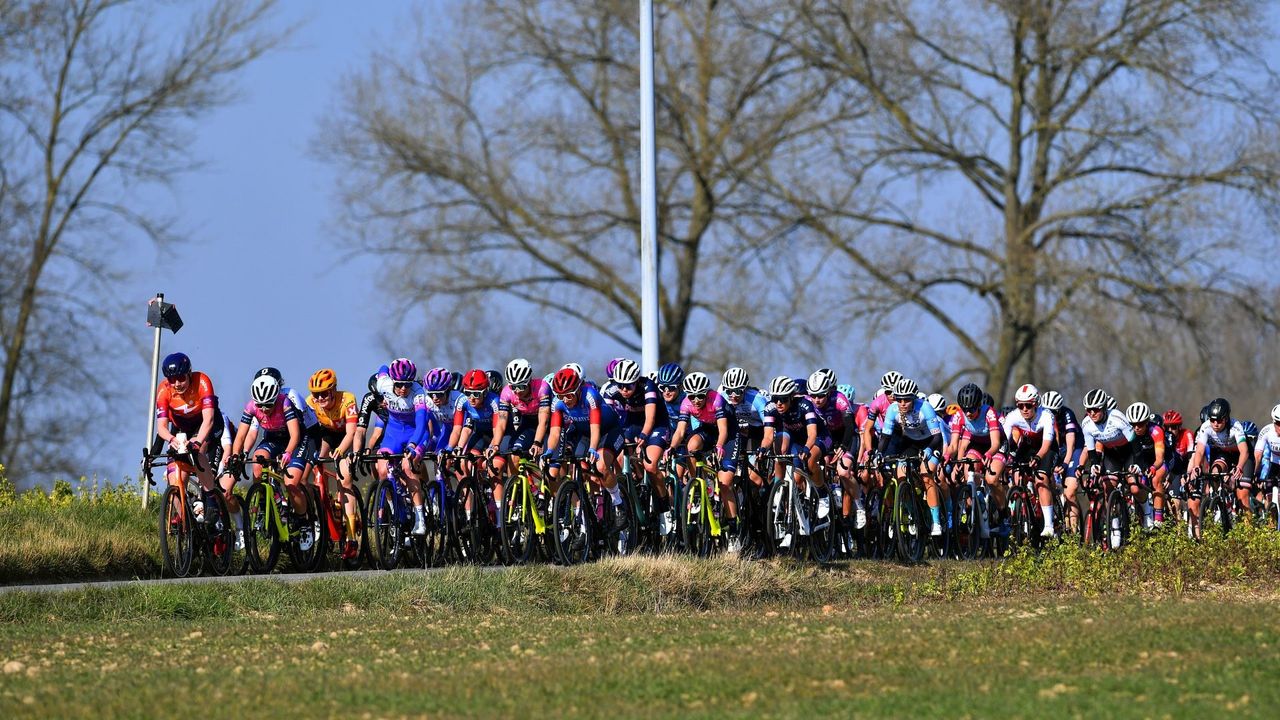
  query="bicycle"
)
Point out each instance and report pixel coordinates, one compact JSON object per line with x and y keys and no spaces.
{"x":642,"y":527}
{"x":970,"y":504}
{"x":525,"y":513}
{"x":581,"y":511}
{"x":474,"y":517}
{"x":701,"y":510}
{"x":270,"y":521}
{"x":903,"y":531}
{"x":335,"y":529}
{"x":791,"y":513}
{"x":189,"y":522}
{"x":1025,"y":515}
{"x":391,"y":517}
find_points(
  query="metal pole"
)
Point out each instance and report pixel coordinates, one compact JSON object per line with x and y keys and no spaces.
{"x":648,"y":197}
{"x":151,"y":406}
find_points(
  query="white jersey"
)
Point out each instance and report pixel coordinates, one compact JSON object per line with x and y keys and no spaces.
{"x":1116,"y":431}
{"x":1034,"y":430}
{"x":1229,"y":438}
{"x":1268,"y":444}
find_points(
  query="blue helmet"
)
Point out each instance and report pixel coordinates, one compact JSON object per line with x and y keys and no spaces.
{"x":176,"y":365}
{"x":670,"y":374}
{"x":1250,"y":429}
{"x":845,"y":389}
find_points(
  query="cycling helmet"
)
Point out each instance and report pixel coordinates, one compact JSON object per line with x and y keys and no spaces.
{"x":821,"y":382}
{"x":438,"y":380}
{"x":322,"y":381}
{"x":271,"y":373}
{"x":495,"y":379}
{"x":176,"y":365}
{"x":1219,"y":409}
{"x":1095,"y":399}
{"x":988,"y":400}
{"x":609,"y":366}
{"x":696,"y":383}
{"x":625,"y":372}
{"x":905,"y":389}
{"x":1275,"y":414}
{"x":475,"y":380}
{"x":264,"y":389}
{"x":1250,"y":428}
{"x":519,"y":372}
{"x":1051,"y":400}
{"x":889,"y":380}
{"x":573,"y":366}
{"x":846,"y":389}
{"x":735,"y":378}
{"x":1111,"y":403}
{"x":403,"y":370}
{"x":782,"y":387}
{"x":1027,"y":393}
{"x":969,"y":397}
{"x":670,"y":374}
{"x":937,"y":402}
{"x":373,"y":383}
{"x":1137,"y":413}
{"x":1204,"y":414}
{"x":1172,"y":417}
{"x":566,"y":382}
{"x":548,"y":378}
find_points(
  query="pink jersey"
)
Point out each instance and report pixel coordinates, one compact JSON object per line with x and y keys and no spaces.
{"x":715,"y":408}
{"x":274,"y":420}
{"x":878,"y":407}
{"x":965,"y":428}
{"x":539,"y":397}
{"x":836,"y":410}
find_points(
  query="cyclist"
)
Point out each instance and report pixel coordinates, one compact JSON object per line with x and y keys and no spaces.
{"x":977,"y":434}
{"x":748,"y":407}
{"x":1148,"y":456}
{"x":642,"y":415}
{"x":1179,"y":442}
{"x":441,"y":400}
{"x":1030,"y":436}
{"x":670,"y":379}
{"x":707,"y":418}
{"x":333,"y":435}
{"x":477,"y":428}
{"x":793,"y":426}
{"x":523,"y":410}
{"x":582,"y":421}
{"x":280,"y":435}
{"x":186,"y":402}
{"x":372,"y":410}
{"x":839,"y":416}
{"x":1266,"y":454}
{"x":1107,"y":434}
{"x":409,"y":427}
{"x":1068,"y":441}
{"x":1221,"y":444}
{"x":910,"y":424}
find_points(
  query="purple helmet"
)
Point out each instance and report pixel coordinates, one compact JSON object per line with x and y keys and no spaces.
{"x":608,"y":368}
{"x":438,"y":380}
{"x":403,"y":370}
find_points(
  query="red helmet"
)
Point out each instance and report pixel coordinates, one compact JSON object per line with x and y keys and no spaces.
{"x":1172,"y":417}
{"x":566,"y":381}
{"x":475,"y":380}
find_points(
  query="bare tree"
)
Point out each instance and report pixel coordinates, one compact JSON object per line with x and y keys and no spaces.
{"x":1024,"y":156}
{"x":98,"y":104}
{"x":499,"y":162}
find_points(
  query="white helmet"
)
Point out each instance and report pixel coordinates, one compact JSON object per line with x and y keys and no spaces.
{"x":1137,"y":413}
{"x":936,"y":401}
{"x":1095,"y":399}
{"x":265,"y":389}
{"x":821,"y":382}
{"x":905,"y":388}
{"x":782,"y":386}
{"x":1275,"y":414}
{"x":625,"y":372}
{"x":696,"y":383}
{"x":889,"y":380}
{"x":519,"y":371}
{"x":1027,"y":393}
{"x":1051,"y":400}
{"x":735,"y":378}
{"x":575,"y":367}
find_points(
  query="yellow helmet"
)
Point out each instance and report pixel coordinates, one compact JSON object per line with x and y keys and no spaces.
{"x":322,"y":381}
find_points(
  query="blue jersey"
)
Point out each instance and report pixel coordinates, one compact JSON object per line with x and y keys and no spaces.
{"x":750,"y":409}
{"x":407,"y":411}
{"x":479,"y":419}
{"x":918,"y":423}
{"x":631,"y":410}
{"x":673,"y":409}
{"x":796,"y":419}
{"x":589,"y":408}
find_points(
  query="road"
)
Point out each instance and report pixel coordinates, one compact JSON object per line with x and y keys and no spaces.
{"x":288,"y":578}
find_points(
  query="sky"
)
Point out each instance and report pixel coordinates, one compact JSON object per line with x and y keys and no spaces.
{"x":261,"y":214}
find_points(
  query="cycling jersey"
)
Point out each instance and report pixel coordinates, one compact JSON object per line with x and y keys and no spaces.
{"x":977,"y":430}
{"x":480,"y":419}
{"x":876,"y":410}
{"x":370,"y":406}
{"x":673,"y":408}
{"x":1065,"y":426}
{"x":273,"y":421}
{"x":524,"y":411}
{"x":1115,"y":431}
{"x":185,"y":410}
{"x":750,"y":409}
{"x":1227,"y":440}
{"x":342,"y":410}
{"x":1269,"y":445}
{"x":919,"y":423}
{"x":1144,"y":446}
{"x":714,"y":409}
{"x":408,"y":420}
{"x":631,"y":410}
{"x":795,"y":420}
{"x":590,"y":409}
{"x":1031,"y":432}
{"x":306,"y":415}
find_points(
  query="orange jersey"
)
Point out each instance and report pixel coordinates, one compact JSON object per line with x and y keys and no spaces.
{"x":184,"y":409}
{"x":341,"y":412}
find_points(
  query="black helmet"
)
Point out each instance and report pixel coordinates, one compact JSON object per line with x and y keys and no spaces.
{"x":988,"y":400}
{"x":457,"y":380}
{"x":1219,"y":409}
{"x":373,"y":383}
{"x":269,"y":372}
{"x":1204,"y":414}
{"x":495,"y":379}
{"x":969,"y":398}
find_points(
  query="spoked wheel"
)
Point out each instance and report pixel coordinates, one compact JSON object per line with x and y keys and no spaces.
{"x":697,"y":531}
{"x":936,"y":547}
{"x":822,"y":525}
{"x":571,"y":521}
{"x":469,"y":513}
{"x":384,"y":525}
{"x":261,"y":537}
{"x":518,"y":533}
{"x":435,"y":544}
{"x":964,"y":513}
{"x":1021,"y":522}
{"x":908,"y":525}
{"x":781,"y":532}
{"x":622,"y":528}
{"x":220,"y":535}
{"x":352,"y":541}
{"x":176,"y":537}
{"x":306,"y":546}
{"x":1117,"y":525}
{"x":646,"y":515}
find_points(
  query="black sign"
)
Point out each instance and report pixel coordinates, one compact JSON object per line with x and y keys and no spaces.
{"x":163,"y":315}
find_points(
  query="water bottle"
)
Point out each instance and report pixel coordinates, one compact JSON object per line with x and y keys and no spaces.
{"x":198,"y":508}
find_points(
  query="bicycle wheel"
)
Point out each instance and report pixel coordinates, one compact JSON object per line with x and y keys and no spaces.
{"x":572,"y":518}
{"x":1020,"y":520}
{"x":353,"y":556}
{"x":908,"y":525}
{"x":517,"y":532}
{"x":176,"y":541}
{"x":220,"y":534}
{"x":469,"y":511}
{"x":620,"y":534}
{"x":306,"y":546}
{"x":697,"y":532}
{"x":261,"y":537}
{"x":965,"y":520}
{"x":384,"y":523}
{"x":1117,"y":522}
{"x":936,"y":546}
{"x":822,"y":527}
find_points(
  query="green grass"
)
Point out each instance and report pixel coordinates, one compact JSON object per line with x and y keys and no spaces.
{"x":638,"y":638}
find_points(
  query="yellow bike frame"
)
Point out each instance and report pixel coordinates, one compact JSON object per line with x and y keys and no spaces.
{"x":700,"y":476}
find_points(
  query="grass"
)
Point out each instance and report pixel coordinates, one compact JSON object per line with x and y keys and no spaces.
{"x":640,"y":637}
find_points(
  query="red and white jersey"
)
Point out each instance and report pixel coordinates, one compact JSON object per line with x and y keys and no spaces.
{"x":1032,"y":431}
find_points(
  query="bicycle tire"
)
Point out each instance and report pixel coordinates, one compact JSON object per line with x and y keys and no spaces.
{"x":518,"y":534}
{"x":779,"y":520}
{"x":1117,"y":520}
{"x":469,"y":510}
{"x":261,"y":539}
{"x":1020,"y":520}
{"x":908,"y":525}
{"x":822,"y":531}
{"x":572,"y":520}
{"x":384,"y":521}
{"x":176,"y":539}
{"x":362,"y":538}
{"x":220,"y":534}
{"x":964,"y":513}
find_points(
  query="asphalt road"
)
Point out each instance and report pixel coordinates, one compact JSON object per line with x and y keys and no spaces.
{"x":288,"y":578}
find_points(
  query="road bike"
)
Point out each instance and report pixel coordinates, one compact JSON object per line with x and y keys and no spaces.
{"x":194,"y":522}
{"x":270,"y":521}
{"x":338,"y":531}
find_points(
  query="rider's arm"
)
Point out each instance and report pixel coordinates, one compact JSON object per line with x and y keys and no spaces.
{"x":207,"y":417}
{"x":456,"y":437}
{"x":295,"y":435}
{"x":811,"y":440}
{"x":678,"y":436}
{"x":722,"y":424}
{"x":348,"y":438}
{"x":540,"y":434}
{"x":1244,"y":457}
{"x":242,"y":430}
{"x":1046,"y":445}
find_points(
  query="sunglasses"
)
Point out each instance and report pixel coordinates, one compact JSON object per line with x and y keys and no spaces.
{"x":697,"y":396}
{"x":567,"y":396}
{"x":521,"y":387}
{"x":265,"y":406}
{"x":322,"y":395}
{"x":437,"y":395}
{"x":668,"y":388}
{"x":402,"y":385}
{"x":782,"y":399}
{"x":474,"y":393}
{"x":1026,"y":406}
{"x":626,"y":386}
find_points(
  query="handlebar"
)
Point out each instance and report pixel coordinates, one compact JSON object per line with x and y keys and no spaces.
{"x":152,"y":460}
